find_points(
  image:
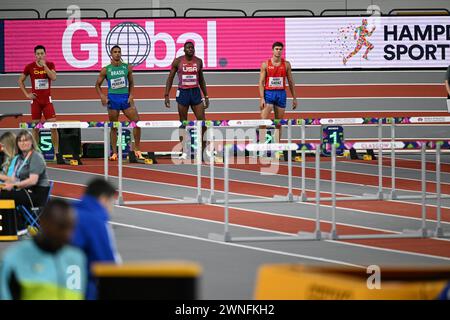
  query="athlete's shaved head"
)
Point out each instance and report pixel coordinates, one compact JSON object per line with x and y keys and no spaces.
{"x":189,"y":49}
{"x":57,"y":223}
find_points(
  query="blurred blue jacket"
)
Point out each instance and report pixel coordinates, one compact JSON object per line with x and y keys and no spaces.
{"x":94,"y":235}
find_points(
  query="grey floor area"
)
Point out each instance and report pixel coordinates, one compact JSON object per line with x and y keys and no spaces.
{"x":230,"y":269}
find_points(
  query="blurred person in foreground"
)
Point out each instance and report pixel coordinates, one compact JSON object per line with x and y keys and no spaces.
{"x":93,"y":233}
{"x":8,"y":151}
{"x":46,"y":267}
{"x":28,"y":184}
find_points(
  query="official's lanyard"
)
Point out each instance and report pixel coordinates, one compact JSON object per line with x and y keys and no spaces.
{"x":17,"y":171}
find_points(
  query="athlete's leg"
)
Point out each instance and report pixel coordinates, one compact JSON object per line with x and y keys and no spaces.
{"x":36,"y":114}
{"x":113,"y":116}
{"x":199,"y":112}
{"x":279,"y":114}
{"x":183,"y":115}
{"x":132,"y":114}
{"x":50,"y":116}
{"x":265,"y":114}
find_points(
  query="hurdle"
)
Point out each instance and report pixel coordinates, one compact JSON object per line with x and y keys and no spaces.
{"x":422,"y":232}
{"x":226,"y":236}
{"x":377,"y":144}
{"x":198,"y":157}
{"x":77,"y":125}
{"x":254,"y":147}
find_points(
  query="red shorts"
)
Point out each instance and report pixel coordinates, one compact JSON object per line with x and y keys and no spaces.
{"x":42,"y":106}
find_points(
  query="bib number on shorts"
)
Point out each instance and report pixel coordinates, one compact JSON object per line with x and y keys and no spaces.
{"x":189,"y":79}
{"x":276,"y":82}
{"x":41,"y":84}
{"x":118,"y":83}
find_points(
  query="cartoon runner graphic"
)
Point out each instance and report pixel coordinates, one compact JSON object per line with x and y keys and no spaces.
{"x":361,"y":41}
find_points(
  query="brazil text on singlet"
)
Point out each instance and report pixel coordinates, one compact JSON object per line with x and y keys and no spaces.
{"x":117,"y":77}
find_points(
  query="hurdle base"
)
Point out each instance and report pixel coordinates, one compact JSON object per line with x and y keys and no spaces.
{"x":185,"y":200}
{"x":375,"y":196}
{"x":226,"y":237}
{"x":439,"y":233}
{"x":393,"y":195}
{"x":276,"y":198}
{"x":303,"y":197}
{"x":351,"y":198}
{"x":406,"y":234}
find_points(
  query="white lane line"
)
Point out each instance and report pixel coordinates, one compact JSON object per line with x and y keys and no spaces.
{"x":241,"y":72}
{"x":256,"y":98}
{"x":186,"y":236}
{"x":297,"y":189}
{"x":284,"y":253}
{"x":278,"y":232}
{"x":277,"y":214}
{"x":255,"y":85}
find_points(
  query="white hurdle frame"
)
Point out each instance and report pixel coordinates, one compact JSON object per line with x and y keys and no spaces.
{"x":422,"y":232}
{"x":289,"y":197}
{"x":300,"y":236}
{"x":158,"y":125}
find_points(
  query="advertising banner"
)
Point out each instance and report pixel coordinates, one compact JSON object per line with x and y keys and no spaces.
{"x":233,"y":43}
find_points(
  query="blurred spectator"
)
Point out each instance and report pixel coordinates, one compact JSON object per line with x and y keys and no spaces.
{"x":46,"y":267}
{"x":93,"y":234}
{"x":8,"y":148}
{"x":29,"y":185}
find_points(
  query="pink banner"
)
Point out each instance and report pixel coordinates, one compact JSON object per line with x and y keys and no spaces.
{"x":223,"y":43}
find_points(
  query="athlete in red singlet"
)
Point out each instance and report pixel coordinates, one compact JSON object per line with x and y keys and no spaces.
{"x":190,"y":80}
{"x":272,"y":92}
{"x":41,"y":73}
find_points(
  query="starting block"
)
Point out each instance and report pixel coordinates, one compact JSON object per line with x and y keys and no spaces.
{"x":367,"y":157}
{"x":149,"y":158}
{"x":73,"y":162}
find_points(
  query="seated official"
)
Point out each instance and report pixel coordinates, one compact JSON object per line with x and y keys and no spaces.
{"x":29,"y":186}
{"x":8,"y":151}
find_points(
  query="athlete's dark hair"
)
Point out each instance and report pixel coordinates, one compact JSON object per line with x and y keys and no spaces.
{"x":39,"y":47}
{"x":100,"y":187}
{"x":277,"y":44}
{"x":188,"y":42}
{"x":116,"y":46}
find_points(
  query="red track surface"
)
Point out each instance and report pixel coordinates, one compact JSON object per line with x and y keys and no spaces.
{"x":318,"y":91}
{"x":271,"y":222}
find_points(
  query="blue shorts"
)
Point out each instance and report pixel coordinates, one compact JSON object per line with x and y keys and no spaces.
{"x":275,"y":97}
{"x":118,"y":101}
{"x":189,"y":97}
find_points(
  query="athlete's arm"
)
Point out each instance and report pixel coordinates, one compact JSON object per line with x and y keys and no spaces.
{"x":169,"y":82}
{"x":262,"y":82}
{"x":373,"y":30}
{"x":291,"y":85}
{"x":130,"y":86}
{"x":202,"y":82}
{"x":21,"y":83}
{"x":98,"y":86}
{"x":51,"y":74}
{"x":447,"y":86}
